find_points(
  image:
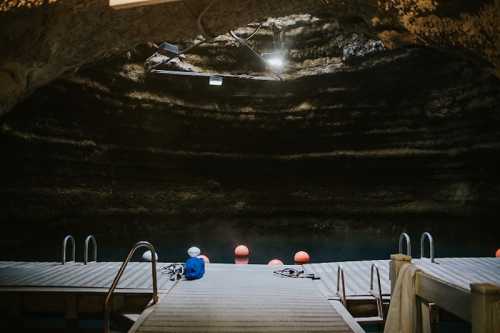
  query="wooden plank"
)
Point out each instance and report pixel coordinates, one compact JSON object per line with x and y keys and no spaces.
{"x":125,"y":4}
{"x":63,"y":290}
{"x":357,"y":277}
{"x":342,"y":311}
{"x":485,"y":307}
{"x":233,"y":299}
{"x":447,"y":296}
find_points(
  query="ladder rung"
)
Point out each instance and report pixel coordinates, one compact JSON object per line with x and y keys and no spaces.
{"x":369,"y":320}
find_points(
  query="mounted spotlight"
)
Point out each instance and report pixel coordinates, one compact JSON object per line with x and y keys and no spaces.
{"x":275,"y":60}
{"x":215,"y":80}
{"x":169,"y":50}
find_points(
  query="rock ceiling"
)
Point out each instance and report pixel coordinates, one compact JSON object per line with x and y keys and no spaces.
{"x":43,"y":40}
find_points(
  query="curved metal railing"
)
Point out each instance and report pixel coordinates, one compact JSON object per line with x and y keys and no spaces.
{"x":378,"y":298}
{"x":64,"y":245}
{"x":406,"y":237}
{"x":94,"y":252}
{"x":119,"y":274}
{"x":431,"y":245}
{"x":341,"y":280}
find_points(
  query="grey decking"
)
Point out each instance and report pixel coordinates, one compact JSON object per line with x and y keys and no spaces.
{"x":356,"y":274}
{"x":77,"y":275}
{"x":461,"y":272}
{"x":234,"y":298}
{"x":240,"y":298}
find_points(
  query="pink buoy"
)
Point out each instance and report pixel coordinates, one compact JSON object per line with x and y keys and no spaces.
{"x":301,"y":257}
{"x":205,"y":258}
{"x":241,"y":260}
{"x":241,"y":251}
{"x":275,"y":262}
{"x":497,"y":254}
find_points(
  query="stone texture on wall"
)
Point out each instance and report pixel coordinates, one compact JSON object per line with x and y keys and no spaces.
{"x":392,"y":135}
{"x":42,"y":40}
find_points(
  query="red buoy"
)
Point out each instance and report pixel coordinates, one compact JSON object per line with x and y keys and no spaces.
{"x":241,"y":260}
{"x":301,"y":257}
{"x":241,"y":251}
{"x":497,"y":254}
{"x":205,"y":258}
{"x":275,"y":262}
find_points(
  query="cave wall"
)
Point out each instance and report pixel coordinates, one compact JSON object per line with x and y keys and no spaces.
{"x":42,"y":40}
{"x":398,"y":135}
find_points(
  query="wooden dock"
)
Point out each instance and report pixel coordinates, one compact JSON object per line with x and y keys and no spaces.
{"x":468,"y":288}
{"x":241,"y":298}
{"x":357,"y":277}
{"x":230,"y":298}
{"x":245,"y":298}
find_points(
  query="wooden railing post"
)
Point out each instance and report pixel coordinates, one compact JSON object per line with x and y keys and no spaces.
{"x":485,"y":308}
{"x":397,"y":261}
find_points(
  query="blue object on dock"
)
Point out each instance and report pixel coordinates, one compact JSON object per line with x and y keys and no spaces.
{"x":195,"y":268}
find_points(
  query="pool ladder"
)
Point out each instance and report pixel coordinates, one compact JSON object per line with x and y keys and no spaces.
{"x":114,"y":284}
{"x":377,"y":296}
{"x":70,"y":238}
{"x":405,"y":238}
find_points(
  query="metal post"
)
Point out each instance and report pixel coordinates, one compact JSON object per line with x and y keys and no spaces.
{"x":431,"y":245}
{"x":341,"y":280}
{"x":378,"y":298}
{"x":86,"y":253}
{"x":119,"y":274}
{"x":406,"y":237}
{"x":64,"y":245}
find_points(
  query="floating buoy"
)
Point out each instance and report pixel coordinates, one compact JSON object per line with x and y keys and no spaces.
{"x":497,"y":254}
{"x":148,"y":257}
{"x":241,"y":260}
{"x":193,"y":251}
{"x":275,"y":262}
{"x":205,"y":258}
{"x":301,"y":257}
{"x":241,"y":251}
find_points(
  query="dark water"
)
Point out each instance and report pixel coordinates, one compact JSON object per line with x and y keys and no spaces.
{"x":217,"y":239}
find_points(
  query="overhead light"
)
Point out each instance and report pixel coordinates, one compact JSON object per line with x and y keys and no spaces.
{"x":275,"y":60}
{"x":215,"y":80}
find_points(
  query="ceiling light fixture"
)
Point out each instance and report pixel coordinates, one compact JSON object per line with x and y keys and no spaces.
{"x":215,"y":80}
{"x":275,"y":60}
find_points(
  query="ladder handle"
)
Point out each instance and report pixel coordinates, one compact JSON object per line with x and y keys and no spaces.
{"x":340,"y":277}
{"x":64,"y":245}
{"x":86,"y":253}
{"x":380,"y":308}
{"x":431,"y":245}
{"x":119,"y":274}
{"x":406,"y":237}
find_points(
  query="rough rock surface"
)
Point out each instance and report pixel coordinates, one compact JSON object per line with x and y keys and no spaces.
{"x":364,"y":127}
{"x":41,"y":40}
{"x":390,"y":135}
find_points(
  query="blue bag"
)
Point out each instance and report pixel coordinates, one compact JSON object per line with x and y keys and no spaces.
{"x":195,"y":268}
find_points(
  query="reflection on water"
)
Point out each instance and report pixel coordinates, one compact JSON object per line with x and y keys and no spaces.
{"x":217,"y":239}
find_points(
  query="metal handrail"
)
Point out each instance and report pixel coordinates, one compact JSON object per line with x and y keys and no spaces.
{"x":340,"y":277}
{"x":378,"y":298}
{"x":431,"y":245}
{"x":64,"y":245}
{"x":86,"y":253}
{"x":405,"y":236}
{"x":119,"y":274}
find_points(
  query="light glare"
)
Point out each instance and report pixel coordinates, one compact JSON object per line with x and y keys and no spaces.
{"x":276,"y":62}
{"x":215,"y":81}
